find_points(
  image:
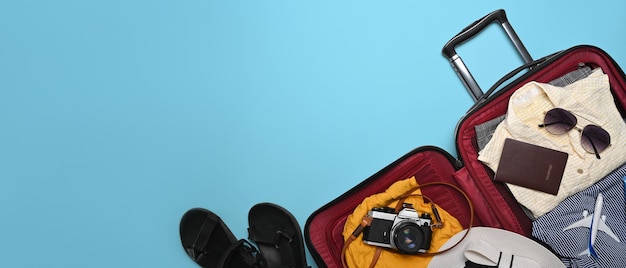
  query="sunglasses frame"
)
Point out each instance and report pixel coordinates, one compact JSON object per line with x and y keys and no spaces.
{"x":584,"y":131}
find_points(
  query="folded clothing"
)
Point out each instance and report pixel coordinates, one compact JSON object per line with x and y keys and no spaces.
{"x":485,"y":131}
{"x":590,"y":99}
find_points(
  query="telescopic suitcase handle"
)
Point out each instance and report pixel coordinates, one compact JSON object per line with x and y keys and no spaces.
{"x":469,"y":32}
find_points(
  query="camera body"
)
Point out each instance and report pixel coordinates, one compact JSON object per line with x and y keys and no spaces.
{"x":408,"y":232}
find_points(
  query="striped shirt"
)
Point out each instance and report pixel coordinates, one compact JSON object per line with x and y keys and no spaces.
{"x":570,"y":243}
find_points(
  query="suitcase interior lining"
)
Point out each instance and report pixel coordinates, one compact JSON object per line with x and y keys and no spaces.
{"x":324,"y":228}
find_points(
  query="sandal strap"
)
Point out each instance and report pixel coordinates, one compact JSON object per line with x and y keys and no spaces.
{"x":246,"y":254}
{"x":198,"y":247}
{"x":275,"y":239}
{"x":280,"y":240}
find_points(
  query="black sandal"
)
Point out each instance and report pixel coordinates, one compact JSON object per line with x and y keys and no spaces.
{"x":277,"y":234}
{"x":210,"y":243}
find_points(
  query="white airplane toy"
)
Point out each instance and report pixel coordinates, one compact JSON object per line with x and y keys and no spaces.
{"x":595,"y":222}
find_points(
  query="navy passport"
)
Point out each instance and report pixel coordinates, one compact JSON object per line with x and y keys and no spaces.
{"x":531,"y":166}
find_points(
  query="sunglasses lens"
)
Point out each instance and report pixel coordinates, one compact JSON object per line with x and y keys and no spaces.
{"x":595,"y":139}
{"x":559,"y":121}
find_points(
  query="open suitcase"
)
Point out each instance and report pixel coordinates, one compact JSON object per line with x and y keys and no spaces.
{"x":494,"y":205}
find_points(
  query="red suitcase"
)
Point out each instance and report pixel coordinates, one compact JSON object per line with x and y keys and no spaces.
{"x":494,"y":205}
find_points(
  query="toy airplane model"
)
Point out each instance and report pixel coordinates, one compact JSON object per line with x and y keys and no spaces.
{"x":595,"y":222}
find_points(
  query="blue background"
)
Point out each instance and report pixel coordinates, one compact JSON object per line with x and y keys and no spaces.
{"x":118,"y":116}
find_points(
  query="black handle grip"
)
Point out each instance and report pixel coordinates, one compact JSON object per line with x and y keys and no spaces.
{"x":449,"y":49}
{"x":472,"y":30}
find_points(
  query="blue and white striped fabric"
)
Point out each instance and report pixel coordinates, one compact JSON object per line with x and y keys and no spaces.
{"x":570,"y":243}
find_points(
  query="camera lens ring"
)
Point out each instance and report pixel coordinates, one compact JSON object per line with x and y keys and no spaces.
{"x":408,"y":237}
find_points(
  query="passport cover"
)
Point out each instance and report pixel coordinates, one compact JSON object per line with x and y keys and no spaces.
{"x":531,"y":166}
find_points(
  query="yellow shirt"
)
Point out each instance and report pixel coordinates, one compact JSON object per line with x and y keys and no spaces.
{"x":591,"y":101}
{"x":360,"y":254}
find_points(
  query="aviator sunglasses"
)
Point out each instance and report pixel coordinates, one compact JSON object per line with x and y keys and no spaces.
{"x":594,"y":139}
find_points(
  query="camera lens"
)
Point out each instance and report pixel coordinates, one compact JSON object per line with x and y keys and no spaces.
{"x":408,"y":238}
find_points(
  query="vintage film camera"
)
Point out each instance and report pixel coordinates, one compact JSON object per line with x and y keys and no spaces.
{"x":407,"y":231}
